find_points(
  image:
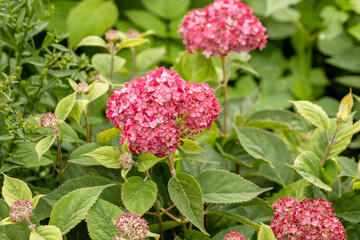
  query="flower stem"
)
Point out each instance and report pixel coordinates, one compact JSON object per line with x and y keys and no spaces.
{"x":170,"y":158}
{"x":330,"y":145}
{"x":59,"y":159}
{"x":224,"y":83}
{"x":87,"y":128}
{"x":159,"y":215}
{"x":133,"y":60}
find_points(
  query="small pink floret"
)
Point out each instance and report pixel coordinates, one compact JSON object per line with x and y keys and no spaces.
{"x":20,"y":210}
{"x":234,"y":236}
{"x":131,"y":226}
{"x":221,"y":27}
{"x":308,"y":219}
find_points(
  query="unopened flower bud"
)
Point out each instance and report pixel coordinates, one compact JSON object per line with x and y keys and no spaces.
{"x":131,"y":226}
{"x":234,"y":236}
{"x":49,"y":120}
{"x":112,"y":35}
{"x":82,"y":88}
{"x":21,"y":209}
{"x":132,"y":33}
{"x":126,"y":160}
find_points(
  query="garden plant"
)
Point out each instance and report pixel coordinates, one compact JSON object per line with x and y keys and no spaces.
{"x":179,"y":119}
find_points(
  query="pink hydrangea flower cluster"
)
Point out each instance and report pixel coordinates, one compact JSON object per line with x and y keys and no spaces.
{"x":131,"y":226}
{"x":159,"y":109}
{"x":20,"y":210}
{"x":309,"y":219}
{"x":234,"y":236}
{"x":223,"y":26}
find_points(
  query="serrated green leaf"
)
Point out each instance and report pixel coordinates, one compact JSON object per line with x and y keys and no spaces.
{"x":64,"y":107}
{"x":105,"y":136}
{"x":100,"y":220}
{"x":102,"y":63}
{"x":43,"y":145}
{"x":6,"y":221}
{"x":256,"y":143}
{"x":73,"y":207}
{"x":187,"y":197}
{"x":15,"y":189}
{"x":147,"y":160}
{"x":189,"y":146}
{"x":313,"y":113}
{"x":295,"y":190}
{"x":106,"y":156}
{"x":73,"y":184}
{"x":348,"y":167}
{"x":138,"y":195}
{"x":308,"y":165}
{"x":99,"y":89}
{"x":91,"y":17}
{"x":345,"y":107}
{"x":47,"y":232}
{"x":77,"y":156}
{"x":348,"y":206}
{"x":94,"y":41}
{"x":265,"y":233}
{"x":78,"y":109}
{"x":195,"y":235}
{"x":220,"y":186}
{"x":35,"y":200}
{"x":67,"y":133}
{"x":133,"y":42}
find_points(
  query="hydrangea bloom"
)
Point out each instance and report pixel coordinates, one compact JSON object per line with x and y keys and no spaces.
{"x":20,"y":210}
{"x":223,"y":26}
{"x":82,"y":87}
{"x":234,"y":236}
{"x":159,"y":109}
{"x":126,"y":160}
{"x":131,"y":226}
{"x":308,"y":219}
{"x":50,"y":120}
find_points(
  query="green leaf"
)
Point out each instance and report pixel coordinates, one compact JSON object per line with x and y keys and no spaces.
{"x":186,"y":194}
{"x":102,"y":63}
{"x":195,"y":235}
{"x":348,"y":167}
{"x":237,"y":218}
{"x":107,"y":156}
{"x":265,"y":233}
{"x":100,"y":220}
{"x":67,"y":133}
{"x":77,"y":155}
{"x":138,"y":195}
{"x":274,"y":5}
{"x":35,"y":200}
{"x":168,"y":9}
{"x":308,"y":165}
{"x":245,"y":66}
{"x":78,"y":109}
{"x":73,"y":207}
{"x":91,"y":17}
{"x":64,"y":107}
{"x":295,"y":190}
{"x":47,"y":232}
{"x":99,"y":89}
{"x":105,"y":136}
{"x":149,"y":56}
{"x":264,"y":145}
{"x":77,"y":183}
{"x":147,"y":160}
{"x":196,"y":67}
{"x":15,"y":189}
{"x":6,"y":221}
{"x":348,"y":206}
{"x":345,"y":107}
{"x":220,"y":186}
{"x":189,"y":146}
{"x":313,"y":113}
{"x":350,"y":81}
{"x":43,"y":145}
{"x":356,"y":186}
{"x":92,"y":41}
{"x":349,"y":59}
{"x":147,"y":21}
{"x":133,"y":42}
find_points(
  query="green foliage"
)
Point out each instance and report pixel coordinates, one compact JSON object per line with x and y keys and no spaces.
{"x":100,"y":220}
{"x":15,"y":189}
{"x":73,"y":207}
{"x":146,"y":161}
{"x":46,"y":233}
{"x":138,"y":195}
{"x":43,"y":145}
{"x":313,"y":113}
{"x":107,"y":135}
{"x":65,"y":106}
{"x":265,"y":233}
{"x":106,"y":156}
{"x":189,"y":146}
{"x":187,"y":197}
